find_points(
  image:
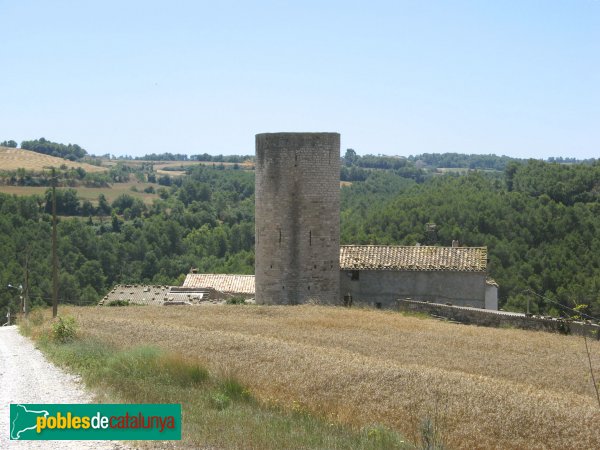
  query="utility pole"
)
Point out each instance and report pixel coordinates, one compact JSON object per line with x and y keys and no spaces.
{"x":25,"y":292}
{"x":21,"y":305}
{"x":54,"y":249}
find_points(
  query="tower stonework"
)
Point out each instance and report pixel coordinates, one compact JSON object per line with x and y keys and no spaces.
{"x":297,"y":218}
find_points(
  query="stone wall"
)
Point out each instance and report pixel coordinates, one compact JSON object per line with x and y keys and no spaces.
{"x":500,"y":318}
{"x":382,"y":288}
{"x":297,"y":218}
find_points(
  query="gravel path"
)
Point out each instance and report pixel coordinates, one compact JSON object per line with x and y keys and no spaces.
{"x":27,"y":377}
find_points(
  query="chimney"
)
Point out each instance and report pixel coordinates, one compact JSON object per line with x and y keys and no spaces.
{"x":455,"y":243}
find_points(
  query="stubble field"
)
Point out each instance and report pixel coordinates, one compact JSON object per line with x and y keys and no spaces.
{"x":16,"y":158}
{"x":479,"y":387}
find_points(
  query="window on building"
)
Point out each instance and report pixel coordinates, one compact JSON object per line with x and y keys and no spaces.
{"x":355,"y":275}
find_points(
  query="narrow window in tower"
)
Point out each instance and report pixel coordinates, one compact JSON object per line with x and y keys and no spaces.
{"x":310,"y":237}
{"x":329,"y":156}
{"x":295,"y":159}
{"x":280,"y":236}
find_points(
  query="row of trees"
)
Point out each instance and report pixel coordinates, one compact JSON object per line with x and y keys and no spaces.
{"x":483,"y":162}
{"x":359,"y":168}
{"x":459,"y":160}
{"x":167,"y":156}
{"x":9,"y":144}
{"x":73,"y":177}
{"x":72,"y":152}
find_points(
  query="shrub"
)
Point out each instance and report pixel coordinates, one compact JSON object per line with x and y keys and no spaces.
{"x":118,"y":303}
{"x":236,"y":300}
{"x":219,"y":400}
{"x":64,"y":329}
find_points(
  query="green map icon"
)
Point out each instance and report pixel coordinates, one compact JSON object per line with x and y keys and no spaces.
{"x":23,"y":420}
{"x":66,"y":421}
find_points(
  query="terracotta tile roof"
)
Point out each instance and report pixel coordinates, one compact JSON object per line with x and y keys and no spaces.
{"x":386,"y":257}
{"x":233,"y":284}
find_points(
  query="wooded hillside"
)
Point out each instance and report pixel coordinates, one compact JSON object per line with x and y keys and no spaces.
{"x":540,"y":221}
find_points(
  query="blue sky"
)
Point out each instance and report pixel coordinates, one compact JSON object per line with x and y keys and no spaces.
{"x":520,"y":78}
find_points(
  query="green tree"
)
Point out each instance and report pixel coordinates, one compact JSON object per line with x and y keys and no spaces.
{"x":90,"y":274}
{"x":104,"y":209}
{"x":10,"y":144}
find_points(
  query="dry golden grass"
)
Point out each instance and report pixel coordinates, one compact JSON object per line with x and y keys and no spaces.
{"x":15,"y":158}
{"x":487,"y":388}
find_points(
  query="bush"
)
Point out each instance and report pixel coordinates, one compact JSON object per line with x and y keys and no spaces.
{"x":220,"y":401}
{"x":64,"y":329}
{"x":118,"y":303}
{"x":236,"y":300}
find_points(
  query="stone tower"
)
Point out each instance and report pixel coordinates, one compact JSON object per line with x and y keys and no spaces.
{"x":297,"y":218}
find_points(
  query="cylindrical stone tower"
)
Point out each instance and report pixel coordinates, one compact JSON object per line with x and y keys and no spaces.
{"x":297,"y":218}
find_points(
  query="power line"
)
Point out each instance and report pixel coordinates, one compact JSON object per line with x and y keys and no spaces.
{"x":577,"y":312}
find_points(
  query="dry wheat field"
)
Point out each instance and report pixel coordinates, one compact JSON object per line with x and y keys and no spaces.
{"x":482,"y":387}
{"x":15,"y":158}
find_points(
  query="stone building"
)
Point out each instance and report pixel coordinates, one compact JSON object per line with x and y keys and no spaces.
{"x":379,"y":275}
{"x":297,"y":217}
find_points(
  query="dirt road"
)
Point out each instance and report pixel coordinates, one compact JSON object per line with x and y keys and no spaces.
{"x":27,"y":377}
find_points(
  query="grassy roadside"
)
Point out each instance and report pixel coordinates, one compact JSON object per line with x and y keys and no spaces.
{"x":217,"y":410}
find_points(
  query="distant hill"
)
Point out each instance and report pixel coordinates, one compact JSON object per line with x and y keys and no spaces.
{"x":485,"y":162}
{"x":463,"y":161}
{"x":15,"y":158}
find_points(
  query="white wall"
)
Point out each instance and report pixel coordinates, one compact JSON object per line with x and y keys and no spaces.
{"x":491,"y":297}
